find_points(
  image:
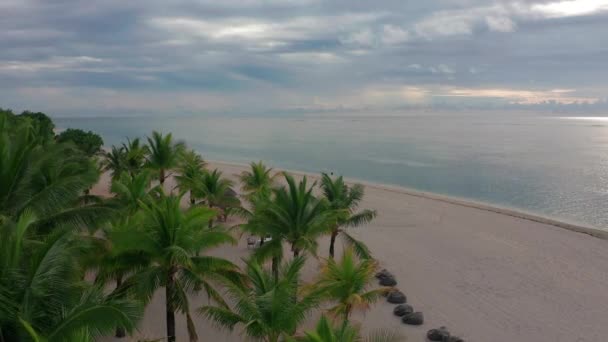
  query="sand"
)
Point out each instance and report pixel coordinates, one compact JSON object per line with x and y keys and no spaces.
{"x":488,"y":274}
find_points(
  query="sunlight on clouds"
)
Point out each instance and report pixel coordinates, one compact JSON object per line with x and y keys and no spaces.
{"x":519,"y":96}
{"x":571,"y":7}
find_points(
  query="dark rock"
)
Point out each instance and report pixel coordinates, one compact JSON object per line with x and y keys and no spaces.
{"x":388,"y":281}
{"x":396,"y":297}
{"x":454,"y":339}
{"x":402,"y":310}
{"x":384,"y":274}
{"x":440,"y":335}
{"x":416,"y":318}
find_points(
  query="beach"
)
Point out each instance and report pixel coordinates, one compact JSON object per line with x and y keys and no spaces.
{"x":484,"y":274}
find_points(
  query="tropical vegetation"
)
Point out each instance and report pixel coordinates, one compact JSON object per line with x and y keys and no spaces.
{"x":75,"y":266}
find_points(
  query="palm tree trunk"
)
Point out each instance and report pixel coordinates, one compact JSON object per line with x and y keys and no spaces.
{"x":296,"y":252}
{"x":161,"y":177}
{"x":192,"y":200}
{"x":275,"y":268}
{"x":120,"y":331}
{"x":332,"y":242}
{"x":169,"y":309}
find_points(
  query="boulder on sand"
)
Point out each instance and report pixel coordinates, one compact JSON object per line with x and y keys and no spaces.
{"x":396,"y":297}
{"x":388,"y":281}
{"x":454,"y":339}
{"x":416,"y":318}
{"x":402,"y":310}
{"x":384,"y":274}
{"x":439,"y":335}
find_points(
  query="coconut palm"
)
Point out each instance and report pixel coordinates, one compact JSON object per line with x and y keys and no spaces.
{"x":164,"y":154}
{"x":347,"y":282}
{"x":131,"y":191}
{"x":191,"y":172}
{"x":174,"y":242}
{"x":114,"y":161}
{"x":42,"y":294}
{"x":48,"y":180}
{"x":326,"y":332}
{"x":109,"y":266}
{"x":259,"y":181}
{"x":345,"y":199}
{"x":216,"y":192}
{"x":135,"y":154}
{"x":269,"y":308}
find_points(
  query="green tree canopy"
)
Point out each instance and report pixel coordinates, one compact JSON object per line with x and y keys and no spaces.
{"x":88,"y":142}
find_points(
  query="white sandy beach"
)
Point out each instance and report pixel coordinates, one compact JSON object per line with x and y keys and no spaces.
{"x":487,"y":276}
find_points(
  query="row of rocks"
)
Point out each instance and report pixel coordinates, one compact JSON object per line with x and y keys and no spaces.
{"x":406,"y":311}
{"x":442,"y":335}
{"x":394,"y":296}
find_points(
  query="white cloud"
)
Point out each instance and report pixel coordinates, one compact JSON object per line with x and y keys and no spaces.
{"x":261,"y":31}
{"x":56,"y":62}
{"x":394,"y":35}
{"x":363,"y":37}
{"x":500,"y":24}
{"x":571,"y":7}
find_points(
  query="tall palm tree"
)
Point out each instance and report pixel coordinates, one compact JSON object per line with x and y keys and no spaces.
{"x":347,"y":283}
{"x":114,"y":161}
{"x":191,"y":172}
{"x":269,"y":308}
{"x":135,"y":154}
{"x":259,"y":181}
{"x":174,"y":242}
{"x":326,"y":332}
{"x":345,"y":199}
{"x":164,"y":154}
{"x":42,"y":294}
{"x":292,"y":215}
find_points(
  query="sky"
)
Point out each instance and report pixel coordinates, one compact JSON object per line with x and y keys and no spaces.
{"x":121,"y":57}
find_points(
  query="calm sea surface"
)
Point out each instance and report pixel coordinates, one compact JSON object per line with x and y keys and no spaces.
{"x":553,"y":166}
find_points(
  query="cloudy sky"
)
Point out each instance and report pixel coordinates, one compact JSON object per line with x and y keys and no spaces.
{"x":186,"y":56}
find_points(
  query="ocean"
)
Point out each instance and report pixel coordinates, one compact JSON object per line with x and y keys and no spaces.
{"x":555,"y":166}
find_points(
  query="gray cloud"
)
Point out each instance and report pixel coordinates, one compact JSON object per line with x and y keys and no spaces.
{"x":276,"y":55}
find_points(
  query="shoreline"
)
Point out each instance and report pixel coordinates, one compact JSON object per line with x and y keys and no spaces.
{"x":484,"y":274}
{"x":469,"y":203}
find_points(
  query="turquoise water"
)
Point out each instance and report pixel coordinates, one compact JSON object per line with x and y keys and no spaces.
{"x":553,"y":166}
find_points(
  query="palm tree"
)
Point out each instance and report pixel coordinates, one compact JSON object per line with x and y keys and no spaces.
{"x":269,"y":308}
{"x":135,"y":154}
{"x":325,"y":332}
{"x":292,"y":215}
{"x":131,"y":191}
{"x":42,"y":294}
{"x":258,"y":181}
{"x":164,"y":154}
{"x":114,"y":161}
{"x":347,"y":283}
{"x":345,"y":199}
{"x":49,"y":180}
{"x":191,"y":172}
{"x":174,"y":242}
{"x":216,"y":192}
